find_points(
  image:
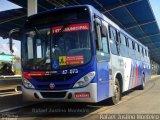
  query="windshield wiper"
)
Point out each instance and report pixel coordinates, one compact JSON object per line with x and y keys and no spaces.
{"x":61,"y":30}
{"x":39,"y":33}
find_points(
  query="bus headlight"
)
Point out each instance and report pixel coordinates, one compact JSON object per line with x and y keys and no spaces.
{"x":85,"y":80}
{"x":26,"y":83}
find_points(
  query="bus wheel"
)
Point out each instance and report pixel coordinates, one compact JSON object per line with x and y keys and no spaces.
{"x":117,"y":92}
{"x":141,"y":87}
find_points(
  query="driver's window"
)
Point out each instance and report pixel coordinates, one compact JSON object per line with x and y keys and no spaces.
{"x":103,"y":52}
{"x":104,"y":38}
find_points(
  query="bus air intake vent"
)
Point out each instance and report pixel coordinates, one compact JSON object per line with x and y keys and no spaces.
{"x":53,"y":78}
{"x":53,"y":94}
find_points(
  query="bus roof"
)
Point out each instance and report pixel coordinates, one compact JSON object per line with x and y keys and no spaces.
{"x":93,"y":11}
{"x":60,"y":8}
{"x":115,"y":25}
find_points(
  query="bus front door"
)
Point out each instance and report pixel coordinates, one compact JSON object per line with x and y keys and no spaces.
{"x":103,"y":80}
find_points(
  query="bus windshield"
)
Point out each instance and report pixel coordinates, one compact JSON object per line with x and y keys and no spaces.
{"x":57,"y":47}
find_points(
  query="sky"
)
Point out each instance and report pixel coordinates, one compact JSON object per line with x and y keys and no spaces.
{"x":155,"y":4}
{"x":6,"y":5}
{"x":4,"y":47}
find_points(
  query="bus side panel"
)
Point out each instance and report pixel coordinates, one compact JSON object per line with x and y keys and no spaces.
{"x":133,"y":70}
{"x":147,"y":72}
{"x":135,"y":74}
{"x":127,"y":73}
{"x":103,"y":80}
{"x":143,"y":69}
{"x":140,"y":72}
{"x":117,"y":68}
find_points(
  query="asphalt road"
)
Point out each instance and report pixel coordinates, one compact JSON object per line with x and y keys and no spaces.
{"x":134,"y":102}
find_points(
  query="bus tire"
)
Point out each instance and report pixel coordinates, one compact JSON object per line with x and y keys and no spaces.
{"x":117,"y":93}
{"x":142,"y":86}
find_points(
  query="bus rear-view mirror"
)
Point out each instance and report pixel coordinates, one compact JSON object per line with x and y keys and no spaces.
{"x":11,"y":39}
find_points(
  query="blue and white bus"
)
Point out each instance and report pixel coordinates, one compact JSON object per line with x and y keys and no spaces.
{"x":76,"y":54}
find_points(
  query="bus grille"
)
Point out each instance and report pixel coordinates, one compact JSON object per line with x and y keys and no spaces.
{"x":53,"y":78}
{"x":53,"y":94}
{"x":57,"y":87}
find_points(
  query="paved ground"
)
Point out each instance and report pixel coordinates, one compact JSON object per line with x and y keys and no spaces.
{"x":133,"y":102}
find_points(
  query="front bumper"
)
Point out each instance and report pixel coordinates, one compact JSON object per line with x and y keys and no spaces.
{"x":69,"y":96}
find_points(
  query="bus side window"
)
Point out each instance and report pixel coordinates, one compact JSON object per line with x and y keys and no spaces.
{"x":122,"y":39}
{"x":104,"y":38}
{"x":123,"y":46}
{"x":138,"y":49}
{"x":142,"y":52}
{"x":113,"y":40}
{"x":145,"y":52}
{"x":130,"y":43}
{"x":127,"y":43}
{"x":132,"y":49}
{"x":133,"y":45}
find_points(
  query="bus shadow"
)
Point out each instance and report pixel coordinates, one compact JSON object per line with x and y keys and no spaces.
{"x":131,"y":91}
{"x":63,"y":109}
{"x":60,"y":109}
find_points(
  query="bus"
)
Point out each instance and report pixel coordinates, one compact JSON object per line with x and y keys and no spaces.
{"x":77,"y":54}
